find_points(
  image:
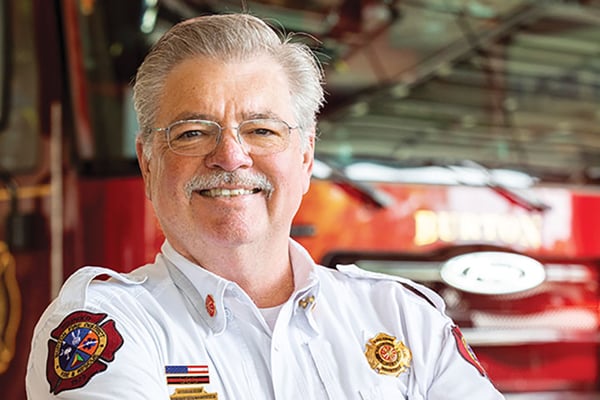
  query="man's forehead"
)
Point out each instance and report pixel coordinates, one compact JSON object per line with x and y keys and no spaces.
{"x":200,"y":89}
{"x":243,"y":115}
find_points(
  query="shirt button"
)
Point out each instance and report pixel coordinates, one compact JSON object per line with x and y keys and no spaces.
{"x":228,"y":314}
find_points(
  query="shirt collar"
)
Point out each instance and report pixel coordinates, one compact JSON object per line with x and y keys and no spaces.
{"x":303,"y":266}
{"x":307,"y":286}
{"x":202,"y":288}
{"x":207,"y":291}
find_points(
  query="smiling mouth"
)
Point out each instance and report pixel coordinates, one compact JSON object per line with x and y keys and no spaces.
{"x":217,"y":192}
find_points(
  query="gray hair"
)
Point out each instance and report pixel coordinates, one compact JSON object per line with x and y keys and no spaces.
{"x":228,"y":37}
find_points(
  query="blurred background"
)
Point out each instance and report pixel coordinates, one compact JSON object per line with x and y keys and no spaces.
{"x":458,"y":137}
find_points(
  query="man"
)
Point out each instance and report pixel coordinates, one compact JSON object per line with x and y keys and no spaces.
{"x":232,"y":308}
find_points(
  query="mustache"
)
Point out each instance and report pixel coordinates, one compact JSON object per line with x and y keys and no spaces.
{"x":225,"y":178}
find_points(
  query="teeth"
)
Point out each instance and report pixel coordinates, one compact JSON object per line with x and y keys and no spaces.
{"x":227,"y":192}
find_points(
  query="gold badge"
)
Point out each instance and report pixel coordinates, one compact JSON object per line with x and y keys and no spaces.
{"x":388,"y":356}
{"x":194,"y":394}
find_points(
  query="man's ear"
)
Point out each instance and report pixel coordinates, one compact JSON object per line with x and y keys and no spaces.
{"x":308,"y":159}
{"x":144,"y":163}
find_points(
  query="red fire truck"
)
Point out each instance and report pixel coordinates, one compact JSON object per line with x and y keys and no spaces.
{"x":450,"y":149}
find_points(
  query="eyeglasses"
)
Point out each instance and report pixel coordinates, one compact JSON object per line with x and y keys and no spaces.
{"x":197,"y":137}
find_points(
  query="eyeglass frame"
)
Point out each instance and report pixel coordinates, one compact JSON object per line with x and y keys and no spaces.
{"x":219,"y":135}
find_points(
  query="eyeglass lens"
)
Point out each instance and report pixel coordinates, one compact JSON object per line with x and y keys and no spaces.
{"x":199,"y":137}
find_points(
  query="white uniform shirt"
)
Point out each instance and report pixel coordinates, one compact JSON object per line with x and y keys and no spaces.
{"x":173,"y":330}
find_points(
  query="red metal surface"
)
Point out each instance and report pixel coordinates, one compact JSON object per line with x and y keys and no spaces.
{"x":542,"y":367}
{"x":117,"y":223}
{"x":426,"y":217}
{"x":77,"y":81}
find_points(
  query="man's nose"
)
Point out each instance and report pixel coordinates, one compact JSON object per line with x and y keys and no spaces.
{"x":230,"y":153}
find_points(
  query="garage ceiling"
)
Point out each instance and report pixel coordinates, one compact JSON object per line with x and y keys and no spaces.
{"x":514,"y":81}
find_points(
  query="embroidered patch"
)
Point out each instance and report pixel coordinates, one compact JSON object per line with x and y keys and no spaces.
{"x":465,"y":350}
{"x":186,"y":374}
{"x":79,"y":348}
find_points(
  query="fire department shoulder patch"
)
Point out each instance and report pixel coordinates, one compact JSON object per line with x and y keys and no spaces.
{"x":465,"y":350}
{"x":79,"y":348}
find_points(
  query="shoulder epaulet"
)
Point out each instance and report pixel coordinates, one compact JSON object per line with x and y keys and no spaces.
{"x":74,"y":291}
{"x":429,"y":295}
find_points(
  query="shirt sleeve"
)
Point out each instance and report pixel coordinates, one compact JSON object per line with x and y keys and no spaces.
{"x":458,"y":374}
{"x":95,"y":352}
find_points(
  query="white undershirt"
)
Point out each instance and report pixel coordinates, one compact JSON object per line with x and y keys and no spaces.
{"x":270,"y":315}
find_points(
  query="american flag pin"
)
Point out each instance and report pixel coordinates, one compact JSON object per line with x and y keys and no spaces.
{"x":187,"y":374}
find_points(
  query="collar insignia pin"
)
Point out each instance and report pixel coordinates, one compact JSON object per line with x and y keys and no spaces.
{"x":209,"y":303}
{"x":305,"y":302}
{"x":388,"y":356}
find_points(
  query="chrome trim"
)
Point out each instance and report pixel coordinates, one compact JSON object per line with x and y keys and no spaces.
{"x":429,"y":271}
{"x":421,"y":271}
{"x":493,"y":273}
{"x":520,"y":336}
